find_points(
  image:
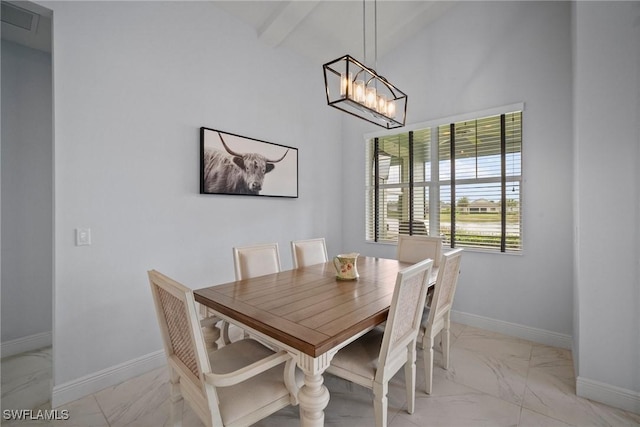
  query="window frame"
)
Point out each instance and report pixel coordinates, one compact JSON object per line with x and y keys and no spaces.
{"x":434,"y":184}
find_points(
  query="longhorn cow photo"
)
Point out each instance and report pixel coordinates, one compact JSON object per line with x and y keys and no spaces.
{"x":231,"y":164}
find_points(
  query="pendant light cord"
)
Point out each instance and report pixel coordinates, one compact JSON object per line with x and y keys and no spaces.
{"x":364,"y":31}
{"x":375,"y":32}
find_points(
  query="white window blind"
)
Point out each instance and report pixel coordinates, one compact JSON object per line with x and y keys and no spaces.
{"x":398,"y":172}
{"x":475,"y":176}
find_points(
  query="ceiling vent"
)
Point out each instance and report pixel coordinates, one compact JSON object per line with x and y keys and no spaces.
{"x":19,"y":17}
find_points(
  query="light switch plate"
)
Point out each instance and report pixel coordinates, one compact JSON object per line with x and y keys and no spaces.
{"x":83,"y":236}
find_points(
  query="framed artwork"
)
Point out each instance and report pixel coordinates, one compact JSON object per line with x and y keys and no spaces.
{"x":234,"y":164}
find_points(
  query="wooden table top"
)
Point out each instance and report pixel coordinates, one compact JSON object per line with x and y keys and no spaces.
{"x":308,"y":308}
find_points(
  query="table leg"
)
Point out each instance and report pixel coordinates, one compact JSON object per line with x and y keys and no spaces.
{"x":210,"y":330}
{"x":313,"y":396}
{"x":211,"y":334}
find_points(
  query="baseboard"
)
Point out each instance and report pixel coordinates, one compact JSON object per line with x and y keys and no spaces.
{"x":89,"y":384}
{"x":95,"y":382}
{"x":30,"y":343}
{"x":614,"y":396}
{"x":617,"y":397}
{"x":541,"y":336}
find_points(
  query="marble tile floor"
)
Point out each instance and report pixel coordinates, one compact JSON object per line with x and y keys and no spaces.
{"x":493,"y":380}
{"x":26,"y":380}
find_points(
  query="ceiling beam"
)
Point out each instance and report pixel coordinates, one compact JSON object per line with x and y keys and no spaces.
{"x":284,"y":21}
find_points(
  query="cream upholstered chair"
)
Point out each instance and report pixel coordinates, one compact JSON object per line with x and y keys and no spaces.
{"x":373,"y":359}
{"x":416,"y":248}
{"x":308,"y":252}
{"x":437,"y":317}
{"x":256,"y":260}
{"x":238,"y":385}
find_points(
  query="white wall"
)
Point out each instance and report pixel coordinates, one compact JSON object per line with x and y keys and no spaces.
{"x":607,"y":181}
{"x":478,"y":56}
{"x":133,"y":87}
{"x":27,"y":194}
{"x":133,"y":84}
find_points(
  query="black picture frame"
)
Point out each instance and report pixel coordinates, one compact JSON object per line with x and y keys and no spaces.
{"x":238,"y":165}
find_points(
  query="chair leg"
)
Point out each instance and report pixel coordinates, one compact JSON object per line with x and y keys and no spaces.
{"x":446,"y":339}
{"x":177,"y":401}
{"x":380,"y":403}
{"x":410,"y":377}
{"x":420,"y":343}
{"x":445,"y":347}
{"x":427,"y":344}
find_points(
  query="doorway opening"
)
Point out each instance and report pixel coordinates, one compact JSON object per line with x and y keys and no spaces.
{"x":27,"y":231}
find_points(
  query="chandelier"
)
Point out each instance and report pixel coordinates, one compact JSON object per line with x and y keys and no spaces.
{"x":359,"y":90}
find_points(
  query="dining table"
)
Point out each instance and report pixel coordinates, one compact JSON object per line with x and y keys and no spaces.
{"x":311,"y":314}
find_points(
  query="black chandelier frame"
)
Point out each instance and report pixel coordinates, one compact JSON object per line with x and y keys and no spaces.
{"x":344,"y":78}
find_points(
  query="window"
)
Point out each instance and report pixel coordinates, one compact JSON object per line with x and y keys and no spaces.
{"x":458,"y":179}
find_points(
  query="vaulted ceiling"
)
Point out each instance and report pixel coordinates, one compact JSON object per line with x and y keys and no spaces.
{"x":325,"y":30}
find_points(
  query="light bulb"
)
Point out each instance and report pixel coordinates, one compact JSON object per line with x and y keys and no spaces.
{"x":382,"y":104}
{"x":391,"y":109}
{"x":358,"y":91}
{"x":371,"y":97}
{"x":346,"y":88}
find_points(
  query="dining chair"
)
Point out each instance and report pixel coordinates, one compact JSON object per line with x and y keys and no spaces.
{"x":437,"y":318}
{"x":256,"y":260}
{"x":308,"y":252}
{"x":416,"y":248}
{"x":373,"y":359}
{"x":253,"y":261}
{"x":237,"y":385}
